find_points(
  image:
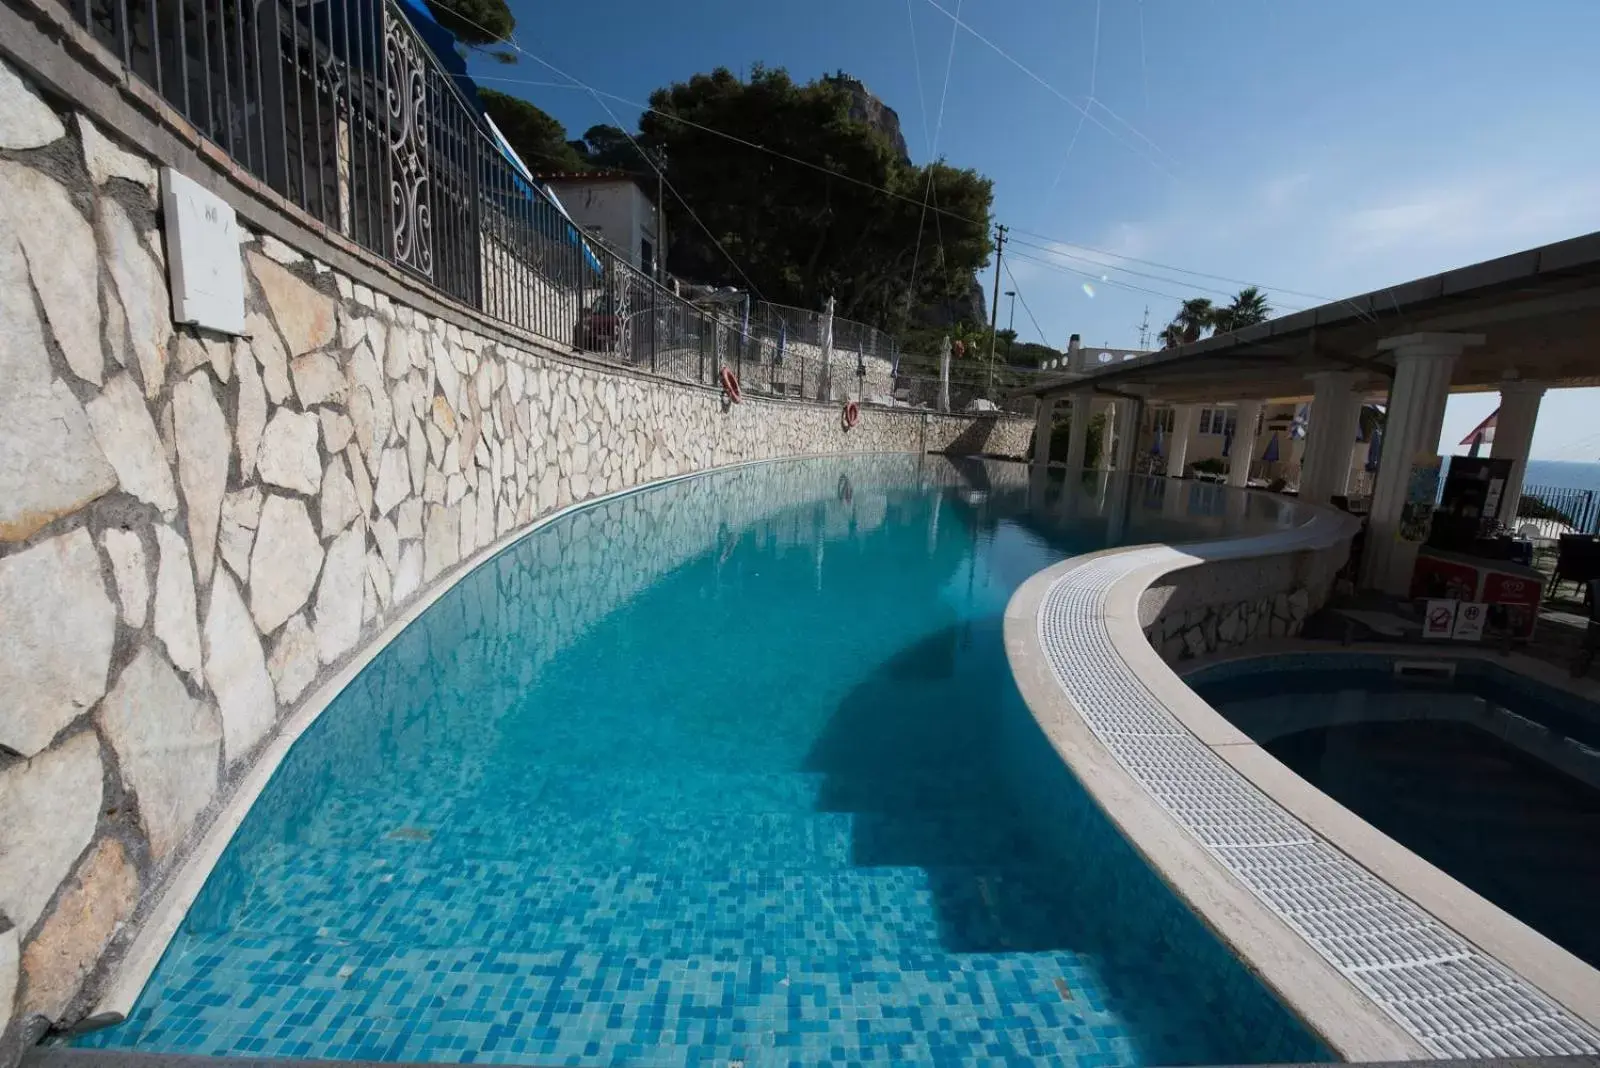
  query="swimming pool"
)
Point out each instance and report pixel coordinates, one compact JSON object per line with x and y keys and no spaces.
{"x":727,"y":770}
{"x":1487,"y":774}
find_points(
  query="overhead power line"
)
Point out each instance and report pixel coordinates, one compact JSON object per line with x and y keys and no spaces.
{"x":1084,"y":110}
{"x":1017,"y":289}
{"x":916,"y":65}
{"x":574,"y":83}
{"x":1094,"y":71}
{"x":1055,"y":247}
{"x":1055,"y":242}
{"x":933,"y":152}
{"x":1097,"y":278}
{"x":1137,"y":274}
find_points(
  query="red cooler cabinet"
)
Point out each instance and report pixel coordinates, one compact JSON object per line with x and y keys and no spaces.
{"x":1511,"y":591}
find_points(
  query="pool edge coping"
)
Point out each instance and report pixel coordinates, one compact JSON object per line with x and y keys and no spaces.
{"x":128,"y":975}
{"x":1310,"y":986}
{"x":1354,"y":1026}
{"x":1554,"y":970}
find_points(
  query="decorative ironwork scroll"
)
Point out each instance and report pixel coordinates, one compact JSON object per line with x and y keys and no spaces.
{"x":412,"y":217}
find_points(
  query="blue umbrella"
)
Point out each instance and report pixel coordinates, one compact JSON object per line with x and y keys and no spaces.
{"x":1271,"y":455}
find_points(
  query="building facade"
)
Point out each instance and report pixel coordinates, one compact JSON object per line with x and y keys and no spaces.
{"x":616,"y":209}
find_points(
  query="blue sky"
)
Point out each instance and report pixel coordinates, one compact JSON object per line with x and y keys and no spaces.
{"x":1325,"y":148}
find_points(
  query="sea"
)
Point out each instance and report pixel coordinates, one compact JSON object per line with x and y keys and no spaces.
{"x":1562,"y":474}
{"x":1554,"y":474}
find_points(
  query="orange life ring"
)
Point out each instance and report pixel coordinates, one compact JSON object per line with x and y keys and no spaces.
{"x":730,"y":385}
{"x":852,"y":414}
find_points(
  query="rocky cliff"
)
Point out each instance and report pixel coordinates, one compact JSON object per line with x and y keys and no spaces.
{"x":864,"y":107}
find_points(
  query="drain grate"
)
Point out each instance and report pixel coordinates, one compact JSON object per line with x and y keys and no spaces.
{"x":1449,"y":995}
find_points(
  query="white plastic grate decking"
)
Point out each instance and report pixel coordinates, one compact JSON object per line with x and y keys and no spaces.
{"x":1453,"y":998}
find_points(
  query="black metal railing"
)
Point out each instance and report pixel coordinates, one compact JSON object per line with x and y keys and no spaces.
{"x":1558,"y":510}
{"x":342,"y":107}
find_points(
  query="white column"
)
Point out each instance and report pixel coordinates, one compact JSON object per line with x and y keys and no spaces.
{"x":1513,"y":437}
{"x":1078,"y":432}
{"x":1423,"y":364}
{"x":1108,"y":430}
{"x":1243,"y":449}
{"x":1335,"y":421}
{"x":1043,"y":417}
{"x":1183,"y":423}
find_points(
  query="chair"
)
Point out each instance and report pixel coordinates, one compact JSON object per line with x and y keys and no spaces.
{"x":1577,"y":560}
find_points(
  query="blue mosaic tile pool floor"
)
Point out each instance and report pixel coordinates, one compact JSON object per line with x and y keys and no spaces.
{"x":780,"y":805}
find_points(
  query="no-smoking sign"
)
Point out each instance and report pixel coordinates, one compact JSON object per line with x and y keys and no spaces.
{"x":1439,"y":619}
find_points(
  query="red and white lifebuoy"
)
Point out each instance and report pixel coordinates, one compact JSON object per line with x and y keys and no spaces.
{"x":730,"y":385}
{"x":852,"y":414}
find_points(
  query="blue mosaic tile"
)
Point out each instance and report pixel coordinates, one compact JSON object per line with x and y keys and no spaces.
{"x":775,"y":801}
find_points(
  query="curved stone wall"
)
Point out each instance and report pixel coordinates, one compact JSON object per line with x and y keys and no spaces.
{"x":196,"y":529}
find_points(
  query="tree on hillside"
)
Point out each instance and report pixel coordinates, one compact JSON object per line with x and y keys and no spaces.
{"x":538,"y":137}
{"x":800,"y":234}
{"x":477,"y":24}
{"x":607,"y":148}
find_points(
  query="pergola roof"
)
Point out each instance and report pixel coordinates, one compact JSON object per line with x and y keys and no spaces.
{"x":1539,"y":313}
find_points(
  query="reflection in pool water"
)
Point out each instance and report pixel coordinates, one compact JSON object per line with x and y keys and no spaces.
{"x":727,"y":770}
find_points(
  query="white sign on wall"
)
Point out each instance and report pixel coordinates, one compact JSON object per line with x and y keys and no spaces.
{"x":203,"y":259}
{"x":1439,"y":619}
{"x":1469,"y":621}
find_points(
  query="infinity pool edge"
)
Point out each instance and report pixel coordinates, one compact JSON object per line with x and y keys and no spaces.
{"x":1329,"y":1006}
{"x":1355,"y":1025}
{"x":1556,"y":971}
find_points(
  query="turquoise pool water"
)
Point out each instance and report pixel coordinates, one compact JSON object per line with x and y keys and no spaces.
{"x":727,"y":771}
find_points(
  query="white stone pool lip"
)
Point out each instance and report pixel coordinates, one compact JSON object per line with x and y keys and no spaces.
{"x":1377,"y":955}
{"x":1564,"y":977}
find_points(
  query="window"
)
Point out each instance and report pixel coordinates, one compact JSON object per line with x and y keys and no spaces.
{"x":1219,"y":421}
{"x":647,"y":257}
{"x":1161,"y":419}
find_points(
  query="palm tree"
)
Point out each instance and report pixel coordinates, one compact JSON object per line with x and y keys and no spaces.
{"x":1193,"y":318}
{"x":1171,"y":336}
{"x":1248,"y":308}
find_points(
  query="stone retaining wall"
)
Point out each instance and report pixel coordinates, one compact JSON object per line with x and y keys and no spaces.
{"x":195,"y":529}
{"x":1228,"y":604}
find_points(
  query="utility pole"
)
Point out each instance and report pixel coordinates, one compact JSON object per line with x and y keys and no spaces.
{"x":661,"y":227}
{"x":1144,"y":329}
{"x":994,"y":305}
{"x":1011,"y":324}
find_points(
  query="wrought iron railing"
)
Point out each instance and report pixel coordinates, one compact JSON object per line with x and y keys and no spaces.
{"x":342,"y":107}
{"x":1559,"y":510}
